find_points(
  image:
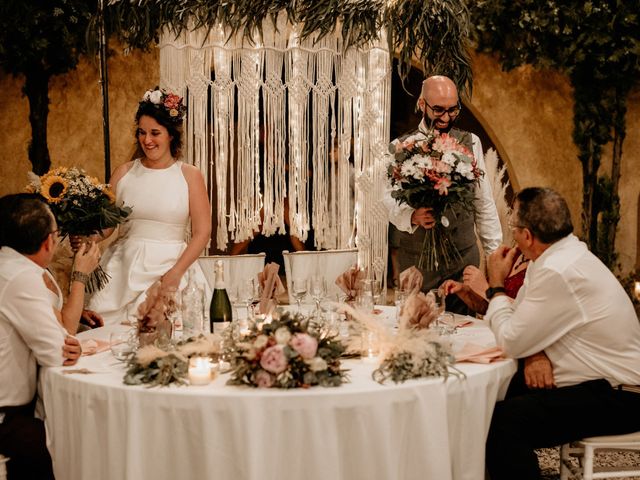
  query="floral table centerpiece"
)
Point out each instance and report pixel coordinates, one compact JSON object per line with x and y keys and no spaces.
{"x":288,"y":352}
{"x":163,"y":364}
{"x":438,"y":172}
{"x":82,"y":206}
{"x":414,"y":351}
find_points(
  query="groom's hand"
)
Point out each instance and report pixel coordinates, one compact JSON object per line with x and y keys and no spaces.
{"x":423,"y":217}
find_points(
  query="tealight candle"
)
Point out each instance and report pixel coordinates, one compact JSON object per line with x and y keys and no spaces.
{"x":199,"y":371}
{"x":636,"y":290}
{"x":370,"y":347}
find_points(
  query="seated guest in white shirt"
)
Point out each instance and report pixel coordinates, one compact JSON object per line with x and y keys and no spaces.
{"x":30,"y":333}
{"x":573,"y":309}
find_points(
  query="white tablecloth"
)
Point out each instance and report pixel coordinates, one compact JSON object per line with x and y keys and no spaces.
{"x":99,"y":428}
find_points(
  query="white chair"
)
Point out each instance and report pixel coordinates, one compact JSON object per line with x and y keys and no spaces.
{"x":585,"y":449}
{"x":328,"y":264}
{"x":237,"y":268}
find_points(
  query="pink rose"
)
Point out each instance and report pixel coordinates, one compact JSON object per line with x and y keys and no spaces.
{"x":263,"y":379}
{"x":274,"y":360}
{"x":305,"y":345}
{"x":172,"y":101}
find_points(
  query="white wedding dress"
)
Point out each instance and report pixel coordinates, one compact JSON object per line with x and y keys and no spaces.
{"x":149,"y":242}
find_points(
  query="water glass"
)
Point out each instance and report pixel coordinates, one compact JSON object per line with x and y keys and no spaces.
{"x":318,"y":290}
{"x":399,"y":298}
{"x":120,"y":345}
{"x":447,"y":322}
{"x":439,"y":297}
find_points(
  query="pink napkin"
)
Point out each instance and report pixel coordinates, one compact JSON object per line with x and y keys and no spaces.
{"x":411,"y":280}
{"x":419,"y":311}
{"x":271,"y":287}
{"x":92,"y":346}
{"x":474,"y":353}
{"x":350,"y":282}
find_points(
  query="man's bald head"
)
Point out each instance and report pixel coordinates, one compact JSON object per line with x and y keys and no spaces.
{"x":439,"y":102}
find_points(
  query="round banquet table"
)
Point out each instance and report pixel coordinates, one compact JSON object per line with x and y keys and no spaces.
{"x":99,"y":428}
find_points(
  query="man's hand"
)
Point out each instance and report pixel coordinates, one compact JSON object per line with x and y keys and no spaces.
{"x":76,"y":241}
{"x":499,"y":265}
{"x":423,"y":217}
{"x":71,"y":350}
{"x":538,"y":371}
{"x":91,"y":318}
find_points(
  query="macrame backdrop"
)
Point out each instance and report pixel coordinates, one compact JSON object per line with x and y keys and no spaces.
{"x":311,"y":108}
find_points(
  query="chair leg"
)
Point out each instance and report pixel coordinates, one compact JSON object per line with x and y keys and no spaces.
{"x":587,"y":465}
{"x":564,"y":457}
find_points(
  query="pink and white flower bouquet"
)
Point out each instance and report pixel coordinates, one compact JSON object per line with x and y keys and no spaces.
{"x":287,"y":353}
{"x":437,"y":172}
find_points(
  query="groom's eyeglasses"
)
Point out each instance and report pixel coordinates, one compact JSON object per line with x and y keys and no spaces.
{"x":439,"y":111}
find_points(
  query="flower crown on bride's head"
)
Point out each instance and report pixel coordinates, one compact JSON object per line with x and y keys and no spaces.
{"x":169,"y":102}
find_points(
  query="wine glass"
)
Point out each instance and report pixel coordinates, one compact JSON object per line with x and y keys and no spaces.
{"x":299,"y":288}
{"x":439,"y":298}
{"x":318,"y":290}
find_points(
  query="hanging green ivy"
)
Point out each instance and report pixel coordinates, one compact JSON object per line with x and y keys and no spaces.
{"x":434,"y":32}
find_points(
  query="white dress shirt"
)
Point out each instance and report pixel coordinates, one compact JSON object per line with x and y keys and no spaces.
{"x":572,"y":307}
{"x":30,"y":334}
{"x":486,"y":215}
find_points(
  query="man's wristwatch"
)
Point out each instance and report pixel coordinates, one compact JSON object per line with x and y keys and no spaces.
{"x":491,"y":292}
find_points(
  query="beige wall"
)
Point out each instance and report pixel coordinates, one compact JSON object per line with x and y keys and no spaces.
{"x":529,"y":111}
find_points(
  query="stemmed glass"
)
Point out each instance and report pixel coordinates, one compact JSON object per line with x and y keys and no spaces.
{"x":299,"y":288}
{"x":439,"y":297}
{"x":318,"y":290}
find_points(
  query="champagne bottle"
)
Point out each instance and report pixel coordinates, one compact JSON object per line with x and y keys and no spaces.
{"x":220,"y":315}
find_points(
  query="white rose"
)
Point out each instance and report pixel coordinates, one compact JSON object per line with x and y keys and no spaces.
{"x":282,"y":335}
{"x":156,"y":97}
{"x":146,"y":96}
{"x":317,"y":364}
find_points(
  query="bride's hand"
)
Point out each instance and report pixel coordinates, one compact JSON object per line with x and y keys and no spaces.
{"x":170,"y":280}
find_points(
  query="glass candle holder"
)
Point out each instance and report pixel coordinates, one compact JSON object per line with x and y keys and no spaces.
{"x":370,"y":346}
{"x":200,"y":371}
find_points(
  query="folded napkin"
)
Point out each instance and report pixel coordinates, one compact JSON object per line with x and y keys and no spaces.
{"x":411,"y":280}
{"x":350,"y":282}
{"x":92,"y":346}
{"x":271,"y":286}
{"x":419,"y":311}
{"x":475,"y":353}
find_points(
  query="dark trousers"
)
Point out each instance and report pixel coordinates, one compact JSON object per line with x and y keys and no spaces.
{"x":23,"y":440}
{"x":548,"y":418}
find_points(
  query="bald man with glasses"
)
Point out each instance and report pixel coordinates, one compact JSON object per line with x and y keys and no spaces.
{"x":441,"y":107}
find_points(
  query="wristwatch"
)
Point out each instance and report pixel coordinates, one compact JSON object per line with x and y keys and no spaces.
{"x":491,"y":292}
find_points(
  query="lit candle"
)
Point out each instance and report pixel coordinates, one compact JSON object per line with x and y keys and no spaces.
{"x":636,"y":290}
{"x":199,"y":371}
{"x":370,"y":347}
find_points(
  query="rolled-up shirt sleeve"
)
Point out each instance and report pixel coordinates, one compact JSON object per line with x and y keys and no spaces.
{"x":27,"y":305}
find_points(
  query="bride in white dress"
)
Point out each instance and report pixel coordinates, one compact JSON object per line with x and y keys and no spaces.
{"x":164,"y":194}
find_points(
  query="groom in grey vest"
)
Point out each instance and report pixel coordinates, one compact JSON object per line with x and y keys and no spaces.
{"x":440,"y":108}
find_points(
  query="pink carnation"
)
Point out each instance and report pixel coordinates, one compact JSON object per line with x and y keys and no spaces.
{"x":442,"y":185}
{"x":263,"y":379}
{"x":274,"y":360}
{"x":305,"y":345}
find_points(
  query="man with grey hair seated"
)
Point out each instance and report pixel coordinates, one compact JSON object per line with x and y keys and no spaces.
{"x":30,"y":334}
{"x":573,"y":309}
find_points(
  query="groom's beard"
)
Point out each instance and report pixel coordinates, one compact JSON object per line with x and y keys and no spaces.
{"x":442,"y":127}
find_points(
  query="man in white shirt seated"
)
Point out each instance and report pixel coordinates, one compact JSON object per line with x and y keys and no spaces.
{"x":572,"y":308}
{"x":30,"y":334}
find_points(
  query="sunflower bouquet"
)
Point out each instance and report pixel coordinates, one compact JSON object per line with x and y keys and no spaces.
{"x":81,"y":204}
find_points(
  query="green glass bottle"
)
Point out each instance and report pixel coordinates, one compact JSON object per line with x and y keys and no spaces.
{"x":220,"y":313}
